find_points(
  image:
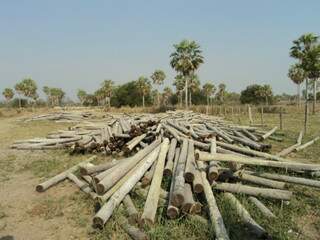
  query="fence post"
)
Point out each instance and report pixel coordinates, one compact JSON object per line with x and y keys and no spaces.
{"x":280,"y":117}
{"x":250,"y":115}
{"x":261,"y":111}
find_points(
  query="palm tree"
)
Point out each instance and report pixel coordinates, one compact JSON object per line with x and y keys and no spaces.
{"x":81,"y":94}
{"x":167,"y":93}
{"x":144,"y":86}
{"x":307,"y":50}
{"x":297,"y":75}
{"x":265,"y":92}
{"x":222,"y":90}
{"x":186,"y":60}
{"x":179,"y":83}
{"x":8,"y":94}
{"x":194,"y":86}
{"x":26,"y":87}
{"x":208,"y":90}
{"x":158,"y":77}
{"x":107,"y":87}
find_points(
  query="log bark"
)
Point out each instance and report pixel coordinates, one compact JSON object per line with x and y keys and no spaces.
{"x":189,"y":205}
{"x":169,"y":165}
{"x":214,"y":213}
{"x":245,"y":216}
{"x":107,"y":209}
{"x":82,"y":185}
{"x":151,"y":204}
{"x":213,"y":169}
{"x":87,"y":170}
{"x":179,"y":181}
{"x":254,"y":191}
{"x":190,"y":163}
{"x":269,"y":133}
{"x":172,"y":211}
{"x":146,"y":180}
{"x":120,"y":170}
{"x":134,"y":232}
{"x":260,"y":180}
{"x":62,"y":176}
{"x":203,"y":156}
{"x":307,"y":144}
{"x":129,"y":146}
{"x":131,"y":209}
{"x":263,"y":209}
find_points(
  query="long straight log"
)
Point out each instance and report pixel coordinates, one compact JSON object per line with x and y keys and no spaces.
{"x":203,"y":156}
{"x":263,"y":209}
{"x":290,"y":149}
{"x":190,"y":163}
{"x":245,"y":216}
{"x":169,"y":165}
{"x":269,"y":133}
{"x":134,"y":232}
{"x":62,"y":176}
{"x":260,"y":180}
{"x":134,"y":142}
{"x":289,"y":179}
{"x":178,"y":191}
{"x":189,"y":205}
{"x":82,"y":185}
{"x":114,"y":176}
{"x":87,"y":170}
{"x":107,"y":209}
{"x":131,"y":209}
{"x":214,"y":213}
{"x":147,"y":178}
{"x":307,"y":144}
{"x":151,"y":204}
{"x":172,"y":211}
{"x":254,"y":191}
{"x":213,"y":169}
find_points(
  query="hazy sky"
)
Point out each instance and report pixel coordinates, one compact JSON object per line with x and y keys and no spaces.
{"x":77,"y":44}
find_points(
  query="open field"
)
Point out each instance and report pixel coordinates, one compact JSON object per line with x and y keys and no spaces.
{"x":63,"y":212}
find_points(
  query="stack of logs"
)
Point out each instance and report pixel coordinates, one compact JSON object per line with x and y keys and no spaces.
{"x":61,"y":117}
{"x":201,"y":156}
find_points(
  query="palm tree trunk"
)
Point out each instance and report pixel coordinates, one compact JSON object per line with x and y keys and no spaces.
{"x":158,"y":103}
{"x":266,"y":100}
{"x":143,"y":101}
{"x":186,"y":88}
{"x":298,"y":94}
{"x":190,"y":102}
{"x":20,"y":102}
{"x":180,"y":99}
{"x":314,"y":96}
{"x":306,"y":108}
{"x":207,"y":110}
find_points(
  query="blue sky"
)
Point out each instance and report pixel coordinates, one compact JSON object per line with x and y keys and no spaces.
{"x":77,"y":44}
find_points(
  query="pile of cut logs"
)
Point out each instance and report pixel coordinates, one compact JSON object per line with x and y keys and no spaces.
{"x":201,"y":156}
{"x":61,"y":117}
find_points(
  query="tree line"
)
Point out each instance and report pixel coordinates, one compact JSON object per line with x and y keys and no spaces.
{"x":186,"y":60}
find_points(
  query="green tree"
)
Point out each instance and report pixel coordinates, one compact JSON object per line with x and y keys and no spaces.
{"x":107,"y":87}
{"x":57,"y":94}
{"x":28,"y":88}
{"x":186,"y":59}
{"x":8,"y":94}
{"x":221,"y":92}
{"x":297,"y":75}
{"x":264,"y":92}
{"x":167,"y":93}
{"x":307,"y":50}
{"x":254,"y":94}
{"x":179,"y":83}
{"x":81,"y":94}
{"x":158,"y":77}
{"x":208,"y":90}
{"x":144,"y":87}
{"x":194,"y":86}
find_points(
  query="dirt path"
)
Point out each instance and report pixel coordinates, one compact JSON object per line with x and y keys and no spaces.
{"x":24,"y":213}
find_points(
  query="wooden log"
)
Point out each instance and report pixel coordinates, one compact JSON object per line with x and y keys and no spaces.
{"x":203,"y":156}
{"x":129,"y":146}
{"x":260,"y":180}
{"x":131,"y":209}
{"x":114,"y":176}
{"x":213,"y":169}
{"x":177,"y":199}
{"x":307,"y":144}
{"x":249,"y":152}
{"x":134,"y":232}
{"x":189,"y":205}
{"x":172,"y":131}
{"x":289,"y":179}
{"x":254,"y":191}
{"x":169,"y":165}
{"x":250,"y":135}
{"x":190,"y":167}
{"x":82,"y":185}
{"x":245,"y":216}
{"x":269,"y":133}
{"x":197,"y":183}
{"x":263,"y":209}
{"x":290,"y":149}
{"x":62,"y":176}
{"x":87,"y":170}
{"x":151,"y":204}
{"x":172,"y":211}
{"x":107,"y":209}
{"x":214,"y":213}
{"x":147,"y":178}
